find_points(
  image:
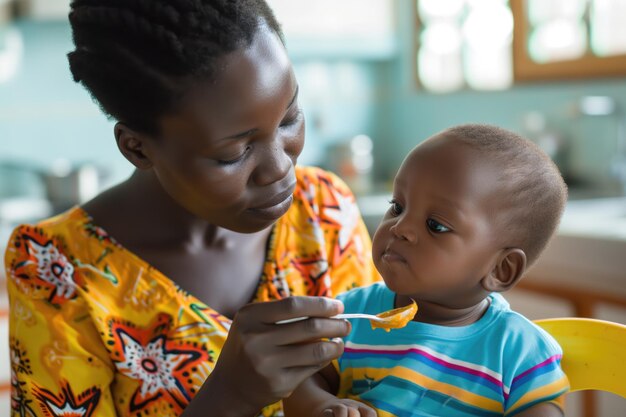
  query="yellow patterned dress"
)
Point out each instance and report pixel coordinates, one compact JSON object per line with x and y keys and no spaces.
{"x":97,"y":331}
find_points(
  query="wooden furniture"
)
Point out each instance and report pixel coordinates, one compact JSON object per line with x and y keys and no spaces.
{"x":584,"y":303}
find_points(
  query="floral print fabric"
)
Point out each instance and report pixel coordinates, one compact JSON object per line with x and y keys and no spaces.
{"x":96,"y":331}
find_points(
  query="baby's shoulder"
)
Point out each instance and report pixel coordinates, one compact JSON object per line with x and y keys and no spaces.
{"x":520,"y":334}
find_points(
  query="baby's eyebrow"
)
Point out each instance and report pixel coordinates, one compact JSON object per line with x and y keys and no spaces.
{"x":450,"y":203}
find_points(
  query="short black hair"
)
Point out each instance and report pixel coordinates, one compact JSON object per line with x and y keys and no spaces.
{"x":138,"y":57}
{"x":532,"y":186}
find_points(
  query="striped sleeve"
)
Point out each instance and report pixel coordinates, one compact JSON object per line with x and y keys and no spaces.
{"x":538,"y":378}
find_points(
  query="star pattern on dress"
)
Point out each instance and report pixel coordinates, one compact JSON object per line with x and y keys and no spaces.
{"x":315,"y":271}
{"x":164,"y":366}
{"x":53,"y":269}
{"x":345,"y":215}
{"x":153,"y":365}
{"x":66,"y":404}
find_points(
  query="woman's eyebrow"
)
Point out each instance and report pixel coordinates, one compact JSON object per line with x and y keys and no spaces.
{"x":252,"y":131}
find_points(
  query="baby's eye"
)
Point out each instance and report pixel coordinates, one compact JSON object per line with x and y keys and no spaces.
{"x":395,"y":209}
{"x":436,"y":227}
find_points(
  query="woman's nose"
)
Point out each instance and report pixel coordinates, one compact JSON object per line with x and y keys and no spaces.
{"x":403,"y":229}
{"x":274,"y":164}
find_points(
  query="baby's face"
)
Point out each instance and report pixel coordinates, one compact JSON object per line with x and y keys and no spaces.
{"x":440,"y":237}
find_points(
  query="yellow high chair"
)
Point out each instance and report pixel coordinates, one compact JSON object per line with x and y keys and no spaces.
{"x":594,"y":352}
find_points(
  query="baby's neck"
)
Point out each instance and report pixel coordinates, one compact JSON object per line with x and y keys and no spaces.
{"x":433,"y":313}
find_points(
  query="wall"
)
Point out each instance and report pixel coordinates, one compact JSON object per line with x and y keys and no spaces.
{"x":45,"y":116}
{"x":342,"y":95}
{"x":409,"y":115}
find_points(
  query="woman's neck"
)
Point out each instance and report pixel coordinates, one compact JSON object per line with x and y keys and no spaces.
{"x":439,"y":314}
{"x":145,"y":215}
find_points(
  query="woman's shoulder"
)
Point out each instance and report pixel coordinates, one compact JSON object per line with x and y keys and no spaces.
{"x":67,"y":232}
{"x":71,"y":223}
{"x":42,"y":259}
{"x":59,"y":230}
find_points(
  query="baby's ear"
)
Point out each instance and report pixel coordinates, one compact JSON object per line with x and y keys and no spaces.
{"x":507,"y":271}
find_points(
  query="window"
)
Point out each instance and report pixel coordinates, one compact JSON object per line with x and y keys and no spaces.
{"x":489,"y":44}
{"x":464,"y":43}
{"x":565,"y":39}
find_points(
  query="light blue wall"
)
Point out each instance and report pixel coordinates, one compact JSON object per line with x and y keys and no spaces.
{"x":44,"y":115}
{"x":409,"y":115}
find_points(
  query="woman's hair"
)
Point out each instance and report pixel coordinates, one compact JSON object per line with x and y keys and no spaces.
{"x":138,"y":57}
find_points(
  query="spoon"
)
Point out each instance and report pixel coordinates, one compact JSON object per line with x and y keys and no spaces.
{"x":391,"y":319}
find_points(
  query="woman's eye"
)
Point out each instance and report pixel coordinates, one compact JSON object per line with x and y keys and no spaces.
{"x":436,"y":227}
{"x":234,"y":160}
{"x":395,"y":209}
{"x":292,"y":120}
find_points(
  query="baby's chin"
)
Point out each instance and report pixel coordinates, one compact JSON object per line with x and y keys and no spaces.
{"x":397,"y":284}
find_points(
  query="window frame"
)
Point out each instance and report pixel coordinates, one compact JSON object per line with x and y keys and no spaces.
{"x":585,"y":67}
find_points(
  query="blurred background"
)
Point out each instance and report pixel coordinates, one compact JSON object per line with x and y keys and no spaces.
{"x":376,"y":78}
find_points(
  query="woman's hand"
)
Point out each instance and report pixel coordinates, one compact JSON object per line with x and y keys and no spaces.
{"x":263,"y":362}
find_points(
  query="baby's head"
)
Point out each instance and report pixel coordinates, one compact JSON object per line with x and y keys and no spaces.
{"x":472,"y":209}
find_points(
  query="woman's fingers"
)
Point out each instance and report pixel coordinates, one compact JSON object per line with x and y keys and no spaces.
{"x":267,"y":361}
{"x":309,"y":330}
{"x":314,"y":354}
{"x":292,"y":307}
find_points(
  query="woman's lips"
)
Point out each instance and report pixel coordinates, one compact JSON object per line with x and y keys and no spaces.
{"x":275,"y":207}
{"x":273,"y":212}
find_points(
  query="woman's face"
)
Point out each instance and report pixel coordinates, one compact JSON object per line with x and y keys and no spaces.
{"x":228,"y":154}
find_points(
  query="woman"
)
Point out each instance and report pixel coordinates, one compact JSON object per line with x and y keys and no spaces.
{"x":139,"y":302}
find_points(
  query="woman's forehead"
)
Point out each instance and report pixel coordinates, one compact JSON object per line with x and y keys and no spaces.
{"x":258,"y":78}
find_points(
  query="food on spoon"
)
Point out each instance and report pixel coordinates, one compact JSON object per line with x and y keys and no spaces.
{"x":396,"y":318}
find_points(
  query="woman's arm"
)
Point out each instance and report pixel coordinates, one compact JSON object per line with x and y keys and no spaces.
{"x":57,"y":358}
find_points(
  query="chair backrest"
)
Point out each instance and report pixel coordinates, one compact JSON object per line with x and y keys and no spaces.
{"x":594,"y":352}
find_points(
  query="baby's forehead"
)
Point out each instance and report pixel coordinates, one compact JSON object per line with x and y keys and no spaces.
{"x":457,"y":167}
{"x":444,"y":151}
{"x":455,"y":149}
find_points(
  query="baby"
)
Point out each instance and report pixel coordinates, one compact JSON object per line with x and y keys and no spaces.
{"x":472,"y":209}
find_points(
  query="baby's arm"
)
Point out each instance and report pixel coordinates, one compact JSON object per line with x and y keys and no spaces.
{"x":546,"y":409}
{"x":314,"y":398}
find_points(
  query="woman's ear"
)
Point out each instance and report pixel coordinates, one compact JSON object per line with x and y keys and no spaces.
{"x":132,"y":145}
{"x":507,"y":272}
